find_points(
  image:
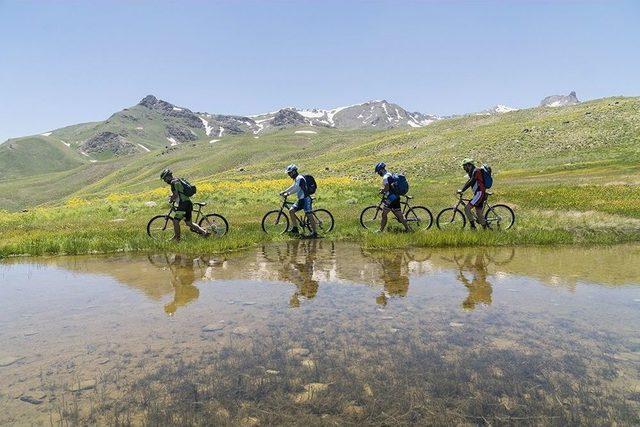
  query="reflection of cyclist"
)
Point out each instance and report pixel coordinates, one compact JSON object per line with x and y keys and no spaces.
{"x":395,"y":277}
{"x":480,"y":289}
{"x":182,"y":279}
{"x":301,"y":273}
{"x":391,"y":200}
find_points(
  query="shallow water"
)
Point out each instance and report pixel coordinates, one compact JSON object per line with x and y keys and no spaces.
{"x":316,"y":332}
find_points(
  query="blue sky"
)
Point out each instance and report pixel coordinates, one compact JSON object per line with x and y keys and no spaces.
{"x":65,"y":62}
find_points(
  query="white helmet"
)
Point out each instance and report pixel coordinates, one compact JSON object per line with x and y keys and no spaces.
{"x":291,"y":168}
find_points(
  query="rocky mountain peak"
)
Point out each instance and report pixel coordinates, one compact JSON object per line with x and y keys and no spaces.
{"x":560,"y":100}
{"x":148,"y":101}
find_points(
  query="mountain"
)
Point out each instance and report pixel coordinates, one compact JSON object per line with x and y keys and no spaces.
{"x":498,"y":109}
{"x":560,"y":100}
{"x":541,"y":139}
{"x":371,"y":115}
{"x":157,"y":124}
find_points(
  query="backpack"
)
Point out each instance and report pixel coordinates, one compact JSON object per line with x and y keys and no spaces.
{"x":188,"y":188}
{"x":486,"y":176}
{"x":310,"y":185}
{"x":400,"y":185}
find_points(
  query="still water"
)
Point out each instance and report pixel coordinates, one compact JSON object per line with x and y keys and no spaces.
{"x":323,"y":333}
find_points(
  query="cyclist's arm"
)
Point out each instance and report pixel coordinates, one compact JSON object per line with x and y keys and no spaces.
{"x":467,"y":185}
{"x":293,"y":189}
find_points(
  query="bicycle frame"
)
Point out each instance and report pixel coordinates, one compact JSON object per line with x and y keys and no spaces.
{"x":197,"y":211}
{"x":286,"y":204}
{"x":404,"y":206}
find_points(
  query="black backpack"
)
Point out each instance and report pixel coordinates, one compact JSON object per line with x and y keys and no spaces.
{"x":188,"y":188}
{"x":310,"y":184}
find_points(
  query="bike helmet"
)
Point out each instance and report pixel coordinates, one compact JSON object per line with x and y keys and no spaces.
{"x":380,"y":166}
{"x":291,"y":168}
{"x":468,"y":161}
{"x":165,"y":173}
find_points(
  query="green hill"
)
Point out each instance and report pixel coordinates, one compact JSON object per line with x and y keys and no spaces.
{"x":571,"y":174}
{"x":600,"y":136}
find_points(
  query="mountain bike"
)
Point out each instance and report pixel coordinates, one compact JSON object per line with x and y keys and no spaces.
{"x":160,"y":227}
{"x":497,"y":217}
{"x":418,"y":217}
{"x":277,"y":221}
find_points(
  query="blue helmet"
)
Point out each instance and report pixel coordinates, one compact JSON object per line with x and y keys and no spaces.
{"x":380,"y":166}
{"x":291,"y":168}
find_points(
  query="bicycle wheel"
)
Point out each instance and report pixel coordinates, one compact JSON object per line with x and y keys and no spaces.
{"x":499,"y":217}
{"x":160,"y":228}
{"x":324,"y":221}
{"x":275,"y":222}
{"x":451,"y":219}
{"x":215,"y":224}
{"x":419,"y":218}
{"x":370,"y":217}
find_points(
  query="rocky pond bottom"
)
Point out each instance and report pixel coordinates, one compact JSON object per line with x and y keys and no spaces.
{"x":315,"y":332}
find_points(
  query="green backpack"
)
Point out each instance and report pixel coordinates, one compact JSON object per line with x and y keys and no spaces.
{"x":188,"y":189}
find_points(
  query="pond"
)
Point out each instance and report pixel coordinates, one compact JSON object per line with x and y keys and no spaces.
{"x":319,"y":332}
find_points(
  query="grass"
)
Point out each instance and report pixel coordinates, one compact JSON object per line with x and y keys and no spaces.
{"x":556,"y":214}
{"x":571,"y":174}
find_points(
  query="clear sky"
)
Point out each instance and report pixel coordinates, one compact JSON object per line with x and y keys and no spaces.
{"x":65,"y":62}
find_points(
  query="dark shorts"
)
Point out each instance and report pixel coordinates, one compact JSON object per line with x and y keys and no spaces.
{"x":184,"y":211}
{"x":478,"y":199}
{"x":303,"y":204}
{"x":392,"y":201}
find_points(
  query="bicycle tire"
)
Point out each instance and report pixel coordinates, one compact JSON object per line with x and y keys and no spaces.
{"x":426,"y":217}
{"x":509,"y":215}
{"x":444,"y":224}
{"x":265,"y":222}
{"x":153,"y":231}
{"x":321,"y":228}
{"x":208,"y":220}
{"x":373,"y":209}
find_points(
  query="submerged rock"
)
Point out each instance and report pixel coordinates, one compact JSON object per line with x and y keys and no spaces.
{"x":31,"y":399}
{"x":83,"y":385}
{"x":298,"y":352}
{"x":8,"y":360}
{"x":214,"y":327}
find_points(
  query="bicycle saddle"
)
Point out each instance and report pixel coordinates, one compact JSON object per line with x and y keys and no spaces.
{"x":489,"y":193}
{"x":408,"y":197}
{"x":201,"y":203}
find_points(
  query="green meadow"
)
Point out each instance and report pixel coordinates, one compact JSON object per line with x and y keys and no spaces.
{"x":571,"y":175}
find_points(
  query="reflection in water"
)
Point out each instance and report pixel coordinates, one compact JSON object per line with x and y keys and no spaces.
{"x":466,"y":336}
{"x":183,"y":277}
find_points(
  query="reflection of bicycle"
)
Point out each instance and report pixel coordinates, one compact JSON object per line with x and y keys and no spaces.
{"x":499,"y":257}
{"x":497,"y":217}
{"x":160,"y":227}
{"x":277,"y":221}
{"x":418,"y":217}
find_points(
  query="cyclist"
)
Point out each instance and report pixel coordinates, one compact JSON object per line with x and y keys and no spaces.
{"x":185,"y":207}
{"x":299,"y":188}
{"x":391,"y":200}
{"x":476,"y":182}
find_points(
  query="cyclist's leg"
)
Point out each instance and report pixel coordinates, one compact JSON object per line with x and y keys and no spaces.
{"x":308,"y":211}
{"x":294,"y":218}
{"x":391,"y":203}
{"x":480,"y":211}
{"x":476,"y":202}
{"x":178,"y":216}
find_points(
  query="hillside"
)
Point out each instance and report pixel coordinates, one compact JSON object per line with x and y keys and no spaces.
{"x":154,"y":124}
{"x":590,"y":135}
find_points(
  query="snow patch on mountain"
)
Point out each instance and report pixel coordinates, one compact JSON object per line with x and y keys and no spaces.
{"x":207,"y":128}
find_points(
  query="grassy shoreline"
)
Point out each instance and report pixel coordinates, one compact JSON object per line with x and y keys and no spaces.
{"x":562,"y":214}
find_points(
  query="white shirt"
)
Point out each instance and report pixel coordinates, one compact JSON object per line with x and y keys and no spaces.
{"x":385,"y":180}
{"x":296,"y":187}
